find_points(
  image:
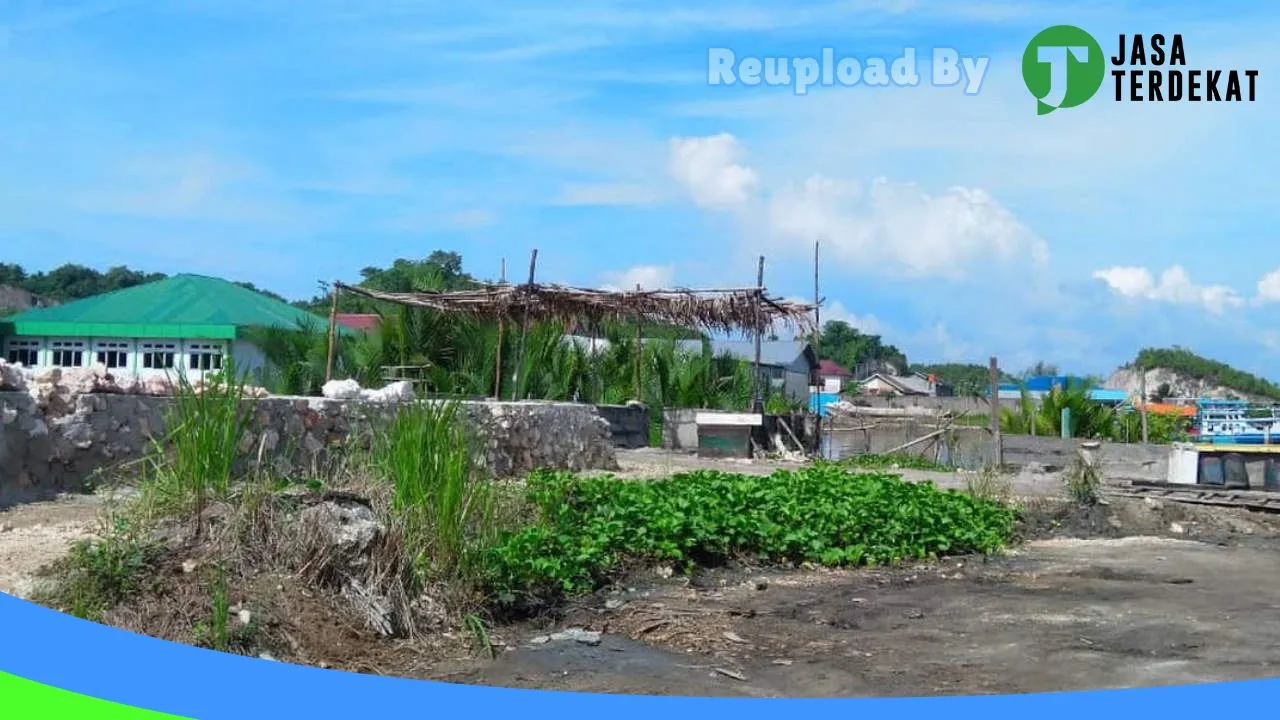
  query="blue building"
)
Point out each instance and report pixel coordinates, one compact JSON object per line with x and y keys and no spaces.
{"x":1038,"y":387}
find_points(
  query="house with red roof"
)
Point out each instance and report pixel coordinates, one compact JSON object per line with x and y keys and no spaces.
{"x":360,"y":322}
{"x":832,"y":377}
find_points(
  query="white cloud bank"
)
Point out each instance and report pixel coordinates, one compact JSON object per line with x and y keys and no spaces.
{"x":648,"y":277}
{"x":888,"y":225}
{"x":1173,"y":286}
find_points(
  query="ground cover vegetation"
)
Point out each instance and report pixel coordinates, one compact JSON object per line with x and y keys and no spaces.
{"x":403,"y":535}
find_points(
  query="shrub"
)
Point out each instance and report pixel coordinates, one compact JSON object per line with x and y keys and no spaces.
{"x":1083,"y":480}
{"x":97,"y":575}
{"x":825,"y":515}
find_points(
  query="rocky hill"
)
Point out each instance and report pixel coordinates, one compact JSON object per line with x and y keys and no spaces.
{"x":1165,"y":383}
{"x":1177,"y":372}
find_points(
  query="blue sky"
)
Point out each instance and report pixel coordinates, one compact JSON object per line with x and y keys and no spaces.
{"x":286,"y":142}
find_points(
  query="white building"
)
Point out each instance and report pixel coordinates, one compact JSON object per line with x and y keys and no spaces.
{"x":187,"y":324}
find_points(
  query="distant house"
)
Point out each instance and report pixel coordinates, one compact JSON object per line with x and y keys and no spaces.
{"x":832,"y":377}
{"x":182,"y":324}
{"x":789,"y":367}
{"x":359,"y":322}
{"x":916,"y":384}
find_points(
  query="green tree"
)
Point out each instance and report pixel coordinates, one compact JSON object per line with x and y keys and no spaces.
{"x":850,"y":347}
{"x":965,"y":379}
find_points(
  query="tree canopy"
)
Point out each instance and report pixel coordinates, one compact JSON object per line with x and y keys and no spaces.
{"x":72,"y":282}
{"x":967,"y":379}
{"x":850,"y":347}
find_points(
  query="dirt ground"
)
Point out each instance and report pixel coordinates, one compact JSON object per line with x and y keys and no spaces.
{"x":1130,"y":593}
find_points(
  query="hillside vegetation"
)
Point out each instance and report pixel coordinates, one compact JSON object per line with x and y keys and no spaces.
{"x":1210,"y":372}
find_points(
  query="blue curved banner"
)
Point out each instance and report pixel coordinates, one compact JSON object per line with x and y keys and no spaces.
{"x":58,"y":651}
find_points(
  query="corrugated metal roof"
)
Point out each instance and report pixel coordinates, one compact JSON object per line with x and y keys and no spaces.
{"x":178,"y":306}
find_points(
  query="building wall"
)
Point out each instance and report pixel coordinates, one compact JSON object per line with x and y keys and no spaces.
{"x":168,"y":356}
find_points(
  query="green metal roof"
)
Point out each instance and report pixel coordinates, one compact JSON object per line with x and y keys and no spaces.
{"x":182,"y":306}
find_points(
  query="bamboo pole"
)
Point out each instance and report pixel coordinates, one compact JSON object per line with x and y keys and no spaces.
{"x":524,"y":326}
{"x":997,"y":443}
{"x":817,"y":344}
{"x":333,"y":333}
{"x":1142,"y":391}
{"x":639,"y":358}
{"x":502,"y":327}
{"x":756,"y":404}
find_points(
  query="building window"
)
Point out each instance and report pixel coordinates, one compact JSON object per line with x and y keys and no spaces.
{"x":113,"y":355}
{"x":159,"y":356}
{"x":204,"y":357}
{"x":67,"y":353}
{"x":26,"y":352}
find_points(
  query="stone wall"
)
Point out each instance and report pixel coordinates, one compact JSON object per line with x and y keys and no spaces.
{"x":46,"y":449}
{"x":970,"y":448}
{"x":958,"y":405}
{"x":628,"y":424}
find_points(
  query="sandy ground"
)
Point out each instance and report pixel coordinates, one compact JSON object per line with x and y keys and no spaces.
{"x":34,"y":535}
{"x":1057,"y":615}
{"x":1130,"y":593}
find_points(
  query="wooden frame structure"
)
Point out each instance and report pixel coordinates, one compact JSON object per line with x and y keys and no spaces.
{"x":747,"y":310}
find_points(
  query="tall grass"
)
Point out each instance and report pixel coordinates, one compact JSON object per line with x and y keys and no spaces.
{"x":197,"y":457}
{"x":426,"y":455}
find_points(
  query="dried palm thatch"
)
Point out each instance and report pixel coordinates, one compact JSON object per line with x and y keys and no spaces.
{"x":750,"y":309}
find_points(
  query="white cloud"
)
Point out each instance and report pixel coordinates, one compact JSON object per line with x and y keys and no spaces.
{"x":608,"y":194}
{"x":902,"y":225}
{"x":708,"y":168}
{"x":1269,"y":287}
{"x":648,"y":277}
{"x":1174,"y":286}
{"x":868,"y":323}
{"x":895,"y":226}
{"x":471,"y":219}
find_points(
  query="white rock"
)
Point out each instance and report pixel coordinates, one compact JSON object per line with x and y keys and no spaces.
{"x":341,"y":389}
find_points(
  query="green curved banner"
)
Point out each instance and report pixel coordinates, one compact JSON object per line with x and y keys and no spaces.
{"x":22,"y":699}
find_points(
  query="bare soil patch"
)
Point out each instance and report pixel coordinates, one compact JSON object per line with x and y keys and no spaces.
{"x":1124,"y":594}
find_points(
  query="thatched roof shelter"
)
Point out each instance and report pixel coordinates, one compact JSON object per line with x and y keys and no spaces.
{"x":750,"y":309}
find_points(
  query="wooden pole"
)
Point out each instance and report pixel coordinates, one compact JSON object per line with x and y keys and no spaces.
{"x":997,"y":443}
{"x":333,"y":333}
{"x":817,"y":343}
{"x":502,"y":327}
{"x":524,"y":327}
{"x":1142,"y":391}
{"x":757,"y":405}
{"x":639,"y":379}
{"x":596,"y":378}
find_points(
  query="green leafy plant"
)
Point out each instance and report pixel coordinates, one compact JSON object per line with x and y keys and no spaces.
{"x":874,"y":461}
{"x":590,"y":527}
